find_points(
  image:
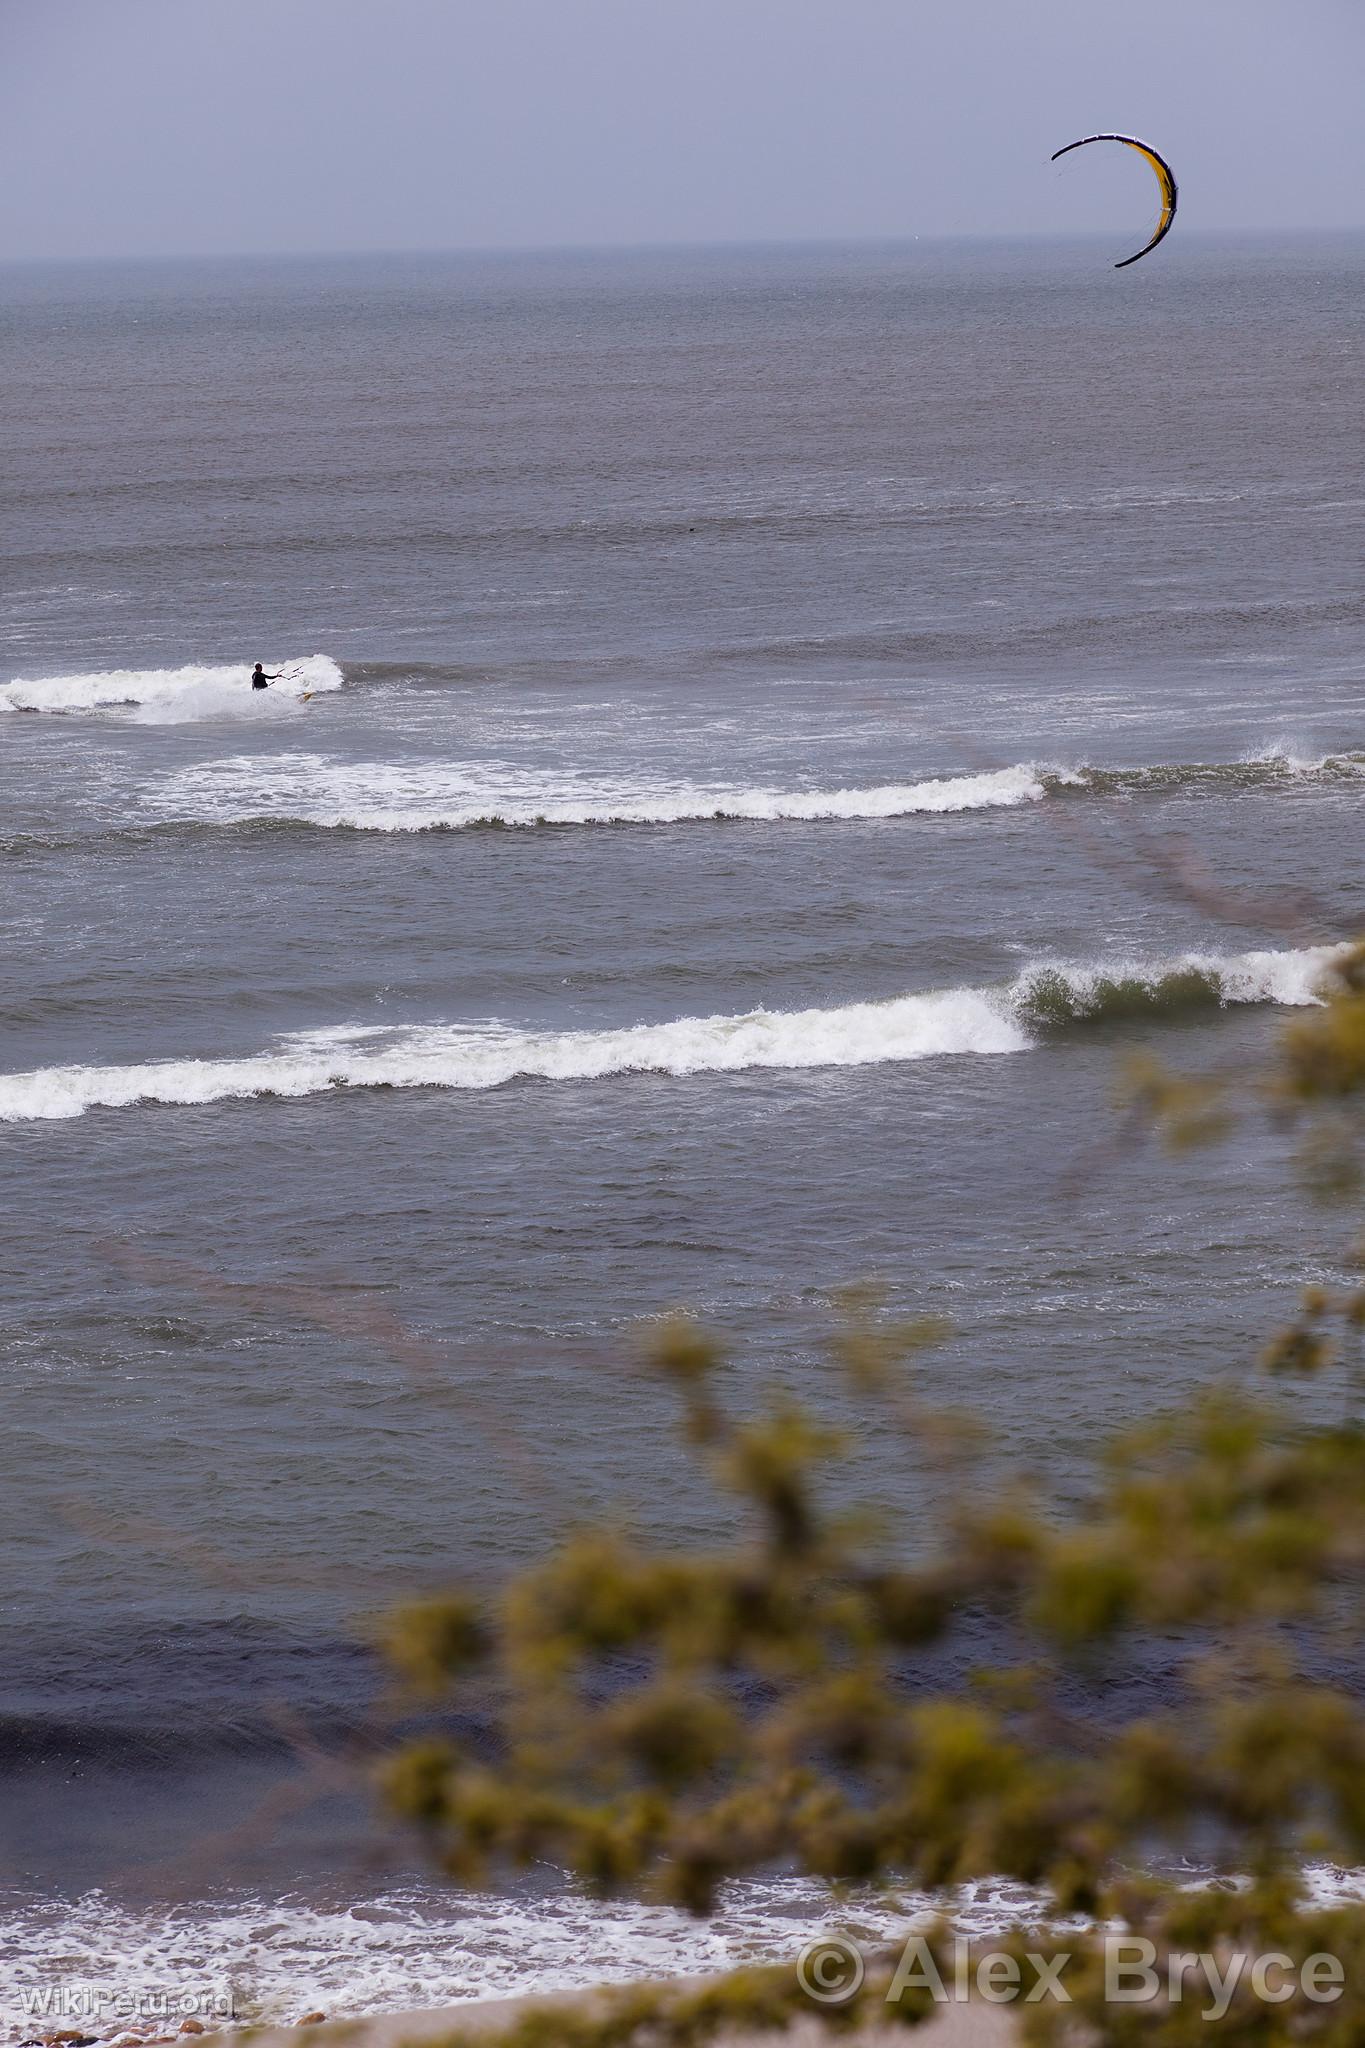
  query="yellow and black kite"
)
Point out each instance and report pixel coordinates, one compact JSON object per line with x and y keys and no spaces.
{"x":1165,"y":178}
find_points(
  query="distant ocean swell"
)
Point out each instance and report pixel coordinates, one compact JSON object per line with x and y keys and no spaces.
{"x":1047,"y":996}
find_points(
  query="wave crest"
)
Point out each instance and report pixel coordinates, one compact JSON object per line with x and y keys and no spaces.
{"x":312,"y":789}
{"x":173,"y":695}
{"x":1052,"y":996}
{"x":937,"y":1024}
{"x":1275,"y":767}
{"x":316,"y":791}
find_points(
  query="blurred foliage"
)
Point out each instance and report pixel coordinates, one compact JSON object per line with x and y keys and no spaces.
{"x":669,"y":1721}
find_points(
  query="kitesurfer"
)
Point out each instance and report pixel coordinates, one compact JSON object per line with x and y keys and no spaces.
{"x":260,"y":680}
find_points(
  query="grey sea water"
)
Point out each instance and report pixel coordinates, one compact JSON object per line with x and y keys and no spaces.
{"x":759,"y":704}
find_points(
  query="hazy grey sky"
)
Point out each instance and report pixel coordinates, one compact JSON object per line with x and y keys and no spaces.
{"x":159,"y":126}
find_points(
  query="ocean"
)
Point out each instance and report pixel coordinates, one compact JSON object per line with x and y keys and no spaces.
{"x":762,"y":733}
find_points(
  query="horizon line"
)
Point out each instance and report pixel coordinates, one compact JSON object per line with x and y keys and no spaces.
{"x":680,"y":245}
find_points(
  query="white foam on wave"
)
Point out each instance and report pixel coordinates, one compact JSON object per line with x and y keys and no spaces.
{"x":902,"y":1028}
{"x":431,"y":796}
{"x":421,"y":1946}
{"x":174,"y":695}
{"x":1294,"y":759}
{"x":487,"y":1056}
{"x":1293,"y":980}
{"x":382,"y":796}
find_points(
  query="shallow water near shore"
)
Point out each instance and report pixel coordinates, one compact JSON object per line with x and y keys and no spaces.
{"x":762,"y":734}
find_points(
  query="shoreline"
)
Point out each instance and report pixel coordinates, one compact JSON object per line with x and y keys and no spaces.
{"x":974,"y":2025}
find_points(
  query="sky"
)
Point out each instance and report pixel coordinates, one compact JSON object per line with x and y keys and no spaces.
{"x":206,"y":127}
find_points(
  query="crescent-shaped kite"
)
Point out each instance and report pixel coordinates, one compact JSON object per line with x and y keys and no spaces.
{"x":1165,"y":178}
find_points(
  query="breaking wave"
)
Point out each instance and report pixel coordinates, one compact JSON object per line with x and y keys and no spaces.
{"x":319,"y":791}
{"x":363,"y":1949}
{"x":937,"y":1024}
{"x":1052,"y":996}
{"x":172,"y":695}
{"x":309,"y":789}
{"x":1280,"y":766}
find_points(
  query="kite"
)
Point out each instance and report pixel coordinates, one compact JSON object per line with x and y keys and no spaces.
{"x":1165,"y":178}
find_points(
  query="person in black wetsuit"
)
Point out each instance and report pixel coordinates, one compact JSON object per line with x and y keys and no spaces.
{"x":260,"y":680}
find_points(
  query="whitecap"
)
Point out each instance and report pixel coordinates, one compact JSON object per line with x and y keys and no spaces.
{"x":417,"y":796}
{"x":937,"y":1024}
{"x":176,"y":695}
